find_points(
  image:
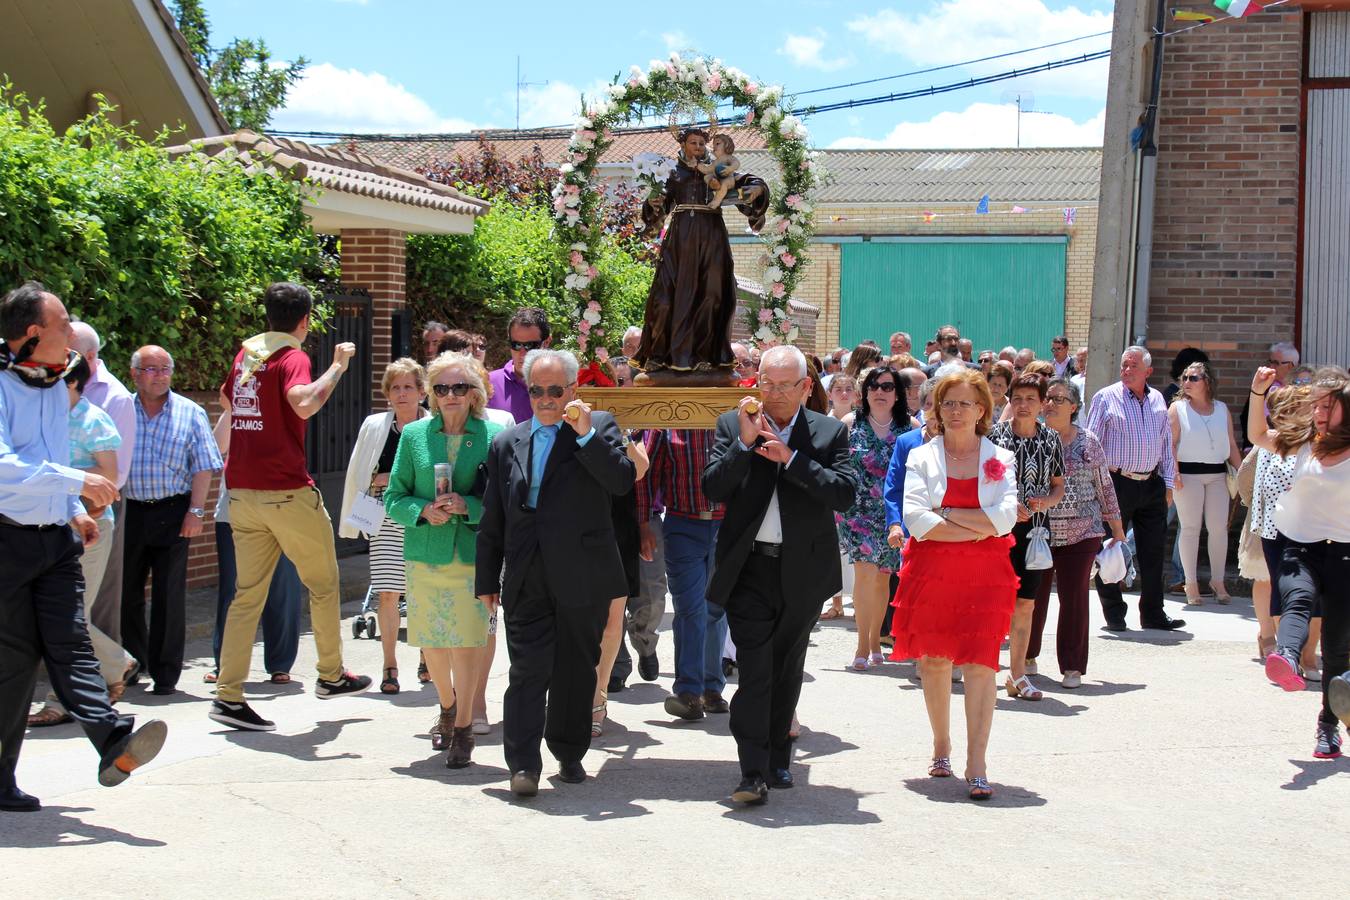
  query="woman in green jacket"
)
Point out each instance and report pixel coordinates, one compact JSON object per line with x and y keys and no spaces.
{"x":445,"y":618}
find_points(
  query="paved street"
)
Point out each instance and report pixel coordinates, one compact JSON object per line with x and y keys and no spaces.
{"x":1175,"y":770}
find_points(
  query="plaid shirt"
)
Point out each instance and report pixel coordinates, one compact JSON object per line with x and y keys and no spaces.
{"x":170,"y":449}
{"x":1134,"y":433}
{"x":675,"y":479}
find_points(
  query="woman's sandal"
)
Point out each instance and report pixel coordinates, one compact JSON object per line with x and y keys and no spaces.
{"x":598,"y":726}
{"x":422,"y":674}
{"x":859,"y":664}
{"x":1193,"y":597}
{"x":442,"y":728}
{"x":980,"y":789}
{"x":941,"y":767}
{"x":1221,"y":593}
{"x":390,"y":683}
{"x":834,"y":612}
{"x":210,"y":677}
{"x":1023,"y":688}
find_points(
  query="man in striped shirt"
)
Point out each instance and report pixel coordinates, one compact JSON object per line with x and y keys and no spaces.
{"x":674,"y":480}
{"x":1130,"y":420}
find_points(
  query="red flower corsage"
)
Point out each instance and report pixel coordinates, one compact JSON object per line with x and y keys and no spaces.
{"x":994,"y":470}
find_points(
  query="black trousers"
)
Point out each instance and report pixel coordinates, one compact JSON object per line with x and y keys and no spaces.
{"x":1309,"y":573}
{"x":154,"y":549}
{"x":1143,"y":506}
{"x":42,"y":620}
{"x":554,"y":646}
{"x":771,"y":632}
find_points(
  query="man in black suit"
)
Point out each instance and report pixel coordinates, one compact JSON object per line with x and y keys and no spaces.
{"x":783,"y":471}
{"x":547,"y":516}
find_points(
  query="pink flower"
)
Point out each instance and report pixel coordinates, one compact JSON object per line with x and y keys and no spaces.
{"x":765,"y":316}
{"x":559,"y":204}
{"x":571,"y":189}
{"x":581,"y":342}
{"x":670,"y":69}
{"x":592,"y":271}
{"x":785,"y":326}
{"x":593,"y":306}
{"x":778,"y":290}
{"x":782,"y":226}
{"x":584,"y":327}
{"x":714,"y":82}
{"x":994,"y":470}
{"x":575,"y":258}
{"x":793,"y":200}
{"x":788,"y":259}
{"x":749,"y":117}
{"x":607,"y":134}
{"x":633,"y":82}
{"x":588,"y":135}
{"x":752,"y":89}
{"x":578,"y":157}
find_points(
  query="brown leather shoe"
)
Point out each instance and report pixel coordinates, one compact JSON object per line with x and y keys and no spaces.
{"x":460,"y":754}
{"x":442,"y":727}
{"x":714,"y":702}
{"x":685,"y":706}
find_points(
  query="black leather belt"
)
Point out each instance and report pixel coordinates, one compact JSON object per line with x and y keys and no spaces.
{"x":10,"y":523}
{"x":160,"y":500}
{"x":766,"y":549}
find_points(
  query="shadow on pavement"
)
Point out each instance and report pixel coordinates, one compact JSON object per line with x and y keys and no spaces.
{"x":615,"y":792}
{"x":303,"y":747}
{"x":57,"y":826}
{"x":816,"y":744}
{"x":955,"y":790}
{"x":433,"y":769}
{"x":1048,"y":706}
{"x":1148,"y":636}
{"x":1311,"y":771}
{"x":1091,"y":688}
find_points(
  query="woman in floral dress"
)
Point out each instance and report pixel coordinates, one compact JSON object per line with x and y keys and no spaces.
{"x":882,"y":417}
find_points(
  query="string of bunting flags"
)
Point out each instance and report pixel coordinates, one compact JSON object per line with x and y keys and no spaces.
{"x":928,"y":217}
{"x":1226,"y":9}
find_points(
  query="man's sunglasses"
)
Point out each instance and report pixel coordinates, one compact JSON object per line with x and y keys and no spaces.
{"x":525,"y":345}
{"x":553,"y":390}
{"x":459,"y":390}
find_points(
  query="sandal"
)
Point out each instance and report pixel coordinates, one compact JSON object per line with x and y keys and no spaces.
{"x":979,"y":788}
{"x":442,"y":728}
{"x":859,"y":664}
{"x":422,"y":674}
{"x":1193,"y":597}
{"x":941,"y":767}
{"x":877,"y":659}
{"x":47,"y":717}
{"x":390,"y":683}
{"x":281,"y":678}
{"x":1022,"y":687}
{"x":834,"y":612}
{"x":1221,"y":593}
{"x":209,"y":677}
{"x":598,"y":725}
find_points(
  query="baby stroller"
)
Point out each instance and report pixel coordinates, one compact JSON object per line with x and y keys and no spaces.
{"x":366,"y":623}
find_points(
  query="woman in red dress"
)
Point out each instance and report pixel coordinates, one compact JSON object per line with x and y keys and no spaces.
{"x":957,"y":586}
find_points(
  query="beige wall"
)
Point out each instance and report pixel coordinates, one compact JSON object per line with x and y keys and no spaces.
{"x":820,"y":286}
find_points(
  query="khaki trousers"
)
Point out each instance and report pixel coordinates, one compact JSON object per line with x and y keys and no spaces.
{"x":267,"y":524}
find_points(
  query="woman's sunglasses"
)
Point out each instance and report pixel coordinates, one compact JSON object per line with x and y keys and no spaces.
{"x":1192,"y":378}
{"x":553,"y":390}
{"x":459,"y":390}
{"x":886,"y":387}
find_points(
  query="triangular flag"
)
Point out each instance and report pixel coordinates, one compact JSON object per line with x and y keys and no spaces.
{"x":982,"y":208}
{"x":928,"y":218}
{"x":1239,"y":8}
{"x":1191,"y":15}
{"x":1019,"y":209}
{"x":1069,"y":213}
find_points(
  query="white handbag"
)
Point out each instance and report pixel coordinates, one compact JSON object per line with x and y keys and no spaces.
{"x":1111,"y":565}
{"x":367,"y":514}
{"x":1038,"y":549}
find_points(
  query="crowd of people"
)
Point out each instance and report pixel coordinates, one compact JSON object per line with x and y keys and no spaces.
{"x":499,"y":500}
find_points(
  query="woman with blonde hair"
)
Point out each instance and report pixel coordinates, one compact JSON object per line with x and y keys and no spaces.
{"x":864,"y":356}
{"x":445,"y":617}
{"x":957,"y":587}
{"x":403,"y":385}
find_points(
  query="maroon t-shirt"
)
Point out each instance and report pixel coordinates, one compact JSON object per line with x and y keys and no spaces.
{"x":267,"y":438}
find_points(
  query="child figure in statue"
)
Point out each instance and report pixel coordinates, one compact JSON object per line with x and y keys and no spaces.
{"x":720,"y":174}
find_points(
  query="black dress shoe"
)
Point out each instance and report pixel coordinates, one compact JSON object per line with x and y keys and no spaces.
{"x":649,"y":667}
{"x":571,"y":772}
{"x":685,"y":706}
{"x":780,"y":779}
{"x":1165,"y":624}
{"x":15,"y":800}
{"x":132,"y":752}
{"x":525,"y":784}
{"x":1116,"y":626}
{"x":163,"y":690}
{"x":714,"y":702}
{"x":616,"y":684}
{"x":752,"y":791}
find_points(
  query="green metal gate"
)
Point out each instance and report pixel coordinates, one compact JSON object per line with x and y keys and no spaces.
{"x":997,"y":290}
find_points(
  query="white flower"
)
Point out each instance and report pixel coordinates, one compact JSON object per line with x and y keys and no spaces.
{"x":770,"y":115}
{"x":795,"y":230}
{"x":602,"y":107}
{"x":574,"y":200}
{"x":779,"y":312}
{"x":788,"y":125}
{"x":772,"y":94}
{"x":773,"y":273}
{"x":579,"y":246}
{"x":616,"y":91}
{"x":779,"y":250}
{"x":567,"y":168}
{"x":576,"y":282}
{"x":582,"y":123}
{"x":764,"y":334}
{"x":591,"y":316}
{"x":793,"y":334}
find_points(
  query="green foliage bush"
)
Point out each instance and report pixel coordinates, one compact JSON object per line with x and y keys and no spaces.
{"x":147,"y":249}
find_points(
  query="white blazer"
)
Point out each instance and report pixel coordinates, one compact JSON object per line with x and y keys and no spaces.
{"x":926,"y":485}
{"x":361,"y":467}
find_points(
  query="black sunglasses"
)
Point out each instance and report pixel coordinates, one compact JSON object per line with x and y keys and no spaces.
{"x":1192,"y":378}
{"x":886,"y":387}
{"x":459,"y":390}
{"x":553,"y":390}
{"x":525,"y":345}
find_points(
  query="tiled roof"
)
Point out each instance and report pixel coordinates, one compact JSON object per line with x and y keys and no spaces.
{"x":421,"y":154}
{"x":337,"y":169}
{"x":955,"y":176}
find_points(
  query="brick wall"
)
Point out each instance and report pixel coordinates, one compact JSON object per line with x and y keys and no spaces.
{"x":373,"y":259}
{"x":202,"y":550}
{"x":1224,"y":266}
{"x":820,"y":286}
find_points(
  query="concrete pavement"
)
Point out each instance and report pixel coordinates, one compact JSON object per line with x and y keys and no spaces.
{"x":1176,"y":770}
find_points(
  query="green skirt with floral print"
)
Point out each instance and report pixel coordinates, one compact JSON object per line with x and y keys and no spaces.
{"x":442,"y":608}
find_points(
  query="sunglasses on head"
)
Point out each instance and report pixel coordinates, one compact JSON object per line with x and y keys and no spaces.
{"x":459,"y":390}
{"x":553,"y":390}
{"x":525,"y":345}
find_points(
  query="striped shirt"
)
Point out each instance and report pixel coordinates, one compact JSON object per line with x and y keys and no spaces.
{"x":1135,"y":433}
{"x":170,"y":448}
{"x":675,"y":479}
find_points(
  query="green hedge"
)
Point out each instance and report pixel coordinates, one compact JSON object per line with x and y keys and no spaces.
{"x":146,"y":249}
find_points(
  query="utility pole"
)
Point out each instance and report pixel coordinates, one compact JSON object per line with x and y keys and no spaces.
{"x":523,"y":84}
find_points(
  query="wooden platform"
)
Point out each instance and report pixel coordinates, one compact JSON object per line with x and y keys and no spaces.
{"x":666,"y":407}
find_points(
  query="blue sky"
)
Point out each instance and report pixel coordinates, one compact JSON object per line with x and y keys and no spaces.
{"x":416,"y":65}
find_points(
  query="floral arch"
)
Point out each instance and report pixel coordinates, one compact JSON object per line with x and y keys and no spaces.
{"x":687,"y":83}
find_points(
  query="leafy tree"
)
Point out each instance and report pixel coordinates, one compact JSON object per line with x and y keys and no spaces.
{"x":247,"y":84}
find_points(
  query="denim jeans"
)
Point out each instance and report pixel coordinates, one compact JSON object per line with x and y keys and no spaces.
{"x":281,"y":615}
{"x":699,"y":627}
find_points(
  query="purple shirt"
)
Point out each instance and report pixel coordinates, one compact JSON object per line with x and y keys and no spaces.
{"x":1135,"y":433}
{"x":111,"y":396}
{"x":510,"y":393}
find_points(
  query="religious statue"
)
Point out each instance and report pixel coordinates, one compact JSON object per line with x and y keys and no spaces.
{"x":685,"y":336}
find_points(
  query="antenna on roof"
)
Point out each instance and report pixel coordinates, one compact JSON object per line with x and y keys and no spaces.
{"x":1026,"y":105}
{"x":523,"y":84}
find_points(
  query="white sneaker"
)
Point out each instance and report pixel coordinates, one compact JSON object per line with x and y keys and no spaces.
{"x":1313,"y":675}
{"x":1072,"y":680}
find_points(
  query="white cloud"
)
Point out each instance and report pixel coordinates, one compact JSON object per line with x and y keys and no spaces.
{"x":676,"y":41}
{"x":986,"y":125}
{"x":805,"y":51}
{"x":328,"y":98}
{"x":555,"y":103}
{"x":965,"y":29}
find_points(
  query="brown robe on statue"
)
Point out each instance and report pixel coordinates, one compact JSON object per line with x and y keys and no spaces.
{"x":693,"y":294}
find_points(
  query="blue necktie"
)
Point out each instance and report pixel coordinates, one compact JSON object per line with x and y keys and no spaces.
{"x":540,"y":446}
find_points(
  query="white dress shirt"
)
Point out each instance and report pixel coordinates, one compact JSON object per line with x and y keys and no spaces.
{"x":771,"y":528}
